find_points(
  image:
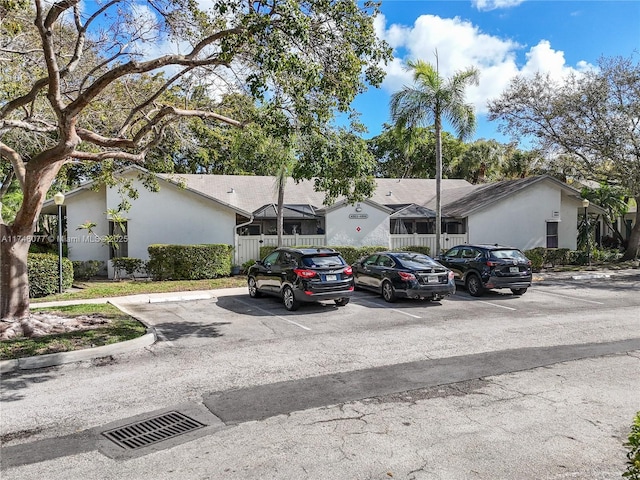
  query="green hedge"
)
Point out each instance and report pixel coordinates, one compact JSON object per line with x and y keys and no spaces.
{"x":130,"y":265}
{"x":43,"y":271}
{"x":189,"y":262}
{"x":552,"y":257}
{"x":86,"y":269}
{"x":352,"y":254}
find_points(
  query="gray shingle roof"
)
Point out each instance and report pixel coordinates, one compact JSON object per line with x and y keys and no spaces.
{"x":250,"y":193}
{"x":480,"y":196}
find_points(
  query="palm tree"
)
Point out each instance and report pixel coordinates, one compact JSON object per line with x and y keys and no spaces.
{"x":431,"y":100}
{"x":482,"y":161}
{"x":282,"y":175}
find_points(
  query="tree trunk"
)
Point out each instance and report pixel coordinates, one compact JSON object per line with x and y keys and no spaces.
{"x":631,"y":253}
{"x":438,"y":132}
{"x":15,"y":240}
{"x":14,"y":283}
{"x":280,"y":213}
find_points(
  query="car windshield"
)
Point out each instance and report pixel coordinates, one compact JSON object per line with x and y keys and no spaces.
{"x":515,"y":254}
{"x":415,"y":260}
{"x":323,"y":261}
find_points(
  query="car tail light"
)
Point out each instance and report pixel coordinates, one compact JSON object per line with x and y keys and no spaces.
{"x":406,"y":276}
{"x":492,"y":264}
{"x":302,"y":273}
{"x":348,"y":270}
{"x":451,"y":275}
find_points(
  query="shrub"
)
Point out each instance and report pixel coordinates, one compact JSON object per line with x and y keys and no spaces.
{"x":353,"y":254}
{"x":557,"y":256}
{"x":633,"y":465}
{"x":537,"y":257}
{"x":189,"y":262}
{"x":246,"y":265}
{"x":605,"y":256}
{"x":42,"y":269}
{"x":130,"y":265}
{"x":86,"y":269}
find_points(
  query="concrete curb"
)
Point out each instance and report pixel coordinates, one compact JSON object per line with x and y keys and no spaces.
{"x":181,"y":298}
{"x":53,"y":359}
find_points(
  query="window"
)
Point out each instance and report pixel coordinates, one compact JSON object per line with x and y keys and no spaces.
{"x":552,"y":234}
{"x":469,"y":253}
{"x":371,"y":260}
{"x":453,"y":253}
{"x":292,"y":228}
{"x":287,"y":258}
{"x":454,"y":227}
{"x":425,"y":227}
{"x":251,"y":230}
{"x":384,"y":261}
{"x":119,"y":246}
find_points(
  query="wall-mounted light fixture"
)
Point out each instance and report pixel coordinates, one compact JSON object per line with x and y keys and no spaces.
{"x":358,"y":207}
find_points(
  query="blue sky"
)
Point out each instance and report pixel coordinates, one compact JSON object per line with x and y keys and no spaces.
{"x":501,"y":38}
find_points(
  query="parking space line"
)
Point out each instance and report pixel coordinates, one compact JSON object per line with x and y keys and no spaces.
{"x":570,"y":297}
{"x":496,"y":305}
{"x":482,"y":301}
{"x":392,"y":309}
{"x":250,"y":305}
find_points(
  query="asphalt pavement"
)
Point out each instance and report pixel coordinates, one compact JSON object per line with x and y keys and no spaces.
{"x":550,"y":410}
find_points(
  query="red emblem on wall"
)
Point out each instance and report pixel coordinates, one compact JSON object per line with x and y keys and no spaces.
{"x":358,"y":229}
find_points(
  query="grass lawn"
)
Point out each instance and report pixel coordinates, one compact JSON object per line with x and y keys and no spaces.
{"x":110,"y":288}
{"x":120,"y":327}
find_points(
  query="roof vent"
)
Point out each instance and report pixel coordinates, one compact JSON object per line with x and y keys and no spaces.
{"x":389,"y":194}
{"x":231,"y":190}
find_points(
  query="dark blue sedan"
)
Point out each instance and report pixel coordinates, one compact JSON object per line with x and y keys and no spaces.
{"x":404,"y":274}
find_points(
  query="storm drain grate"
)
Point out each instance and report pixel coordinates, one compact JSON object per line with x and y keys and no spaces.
{"x":153,"y":430}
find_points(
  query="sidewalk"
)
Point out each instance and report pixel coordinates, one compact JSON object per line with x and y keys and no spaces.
{"x":586,"y":274}
{"x":150,"y":297}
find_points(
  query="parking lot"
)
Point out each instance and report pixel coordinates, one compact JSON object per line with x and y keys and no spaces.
{"x":241,"y":318}
{"x":540,"y":386}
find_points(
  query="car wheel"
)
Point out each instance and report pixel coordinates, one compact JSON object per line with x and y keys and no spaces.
{"x":519,"y":291}
{"x":388,"y":292}
{"x":474,"y":285}
{"x":341,"y":302}
{"x":253,"y":288}
{"x":289,"y":299}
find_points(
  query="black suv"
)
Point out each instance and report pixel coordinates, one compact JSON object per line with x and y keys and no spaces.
{"x":480,"y":267}
{"x":302,"y":275}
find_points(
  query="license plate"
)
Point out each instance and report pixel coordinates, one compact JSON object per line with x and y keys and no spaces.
{"x":432,"y":279}
{"x":330,"y":278}
{"x":514,"y":269}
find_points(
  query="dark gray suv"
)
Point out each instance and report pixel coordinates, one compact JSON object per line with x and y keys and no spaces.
{"x":300,"y":275}
{"x":482,"y":267}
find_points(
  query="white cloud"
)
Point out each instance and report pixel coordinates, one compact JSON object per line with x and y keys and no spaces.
{"x":486,"y":5}
{"x":460,"y":45}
